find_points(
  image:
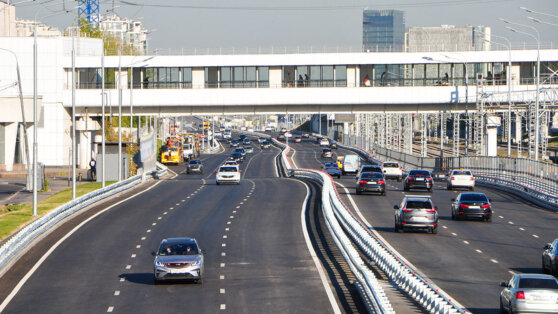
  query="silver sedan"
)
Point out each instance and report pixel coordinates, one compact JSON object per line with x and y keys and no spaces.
{"x":178,"y":258}
{"x":529,"y":293}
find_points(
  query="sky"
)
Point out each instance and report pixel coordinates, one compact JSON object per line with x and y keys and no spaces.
{"x":189,"y":24}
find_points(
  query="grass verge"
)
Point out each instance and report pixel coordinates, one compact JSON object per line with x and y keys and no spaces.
{"x":13,"y":217}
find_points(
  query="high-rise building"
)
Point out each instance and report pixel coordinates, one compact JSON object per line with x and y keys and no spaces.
{"x":7,"y":20}
{"x":383,"y":30}
{"x":26,"y":28}
{"x":448,"y":38}
{"x":127,"y":30}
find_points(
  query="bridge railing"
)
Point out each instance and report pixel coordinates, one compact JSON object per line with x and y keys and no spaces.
{"x":346,"y":228}
{"x":16,"y":245}
{"x":534,"y":180}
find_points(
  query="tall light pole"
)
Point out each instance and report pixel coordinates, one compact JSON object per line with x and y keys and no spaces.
{"x":103,"y":180}
{"x":27,"y":157}
{"x":541,"y":22}
{"x":73,"y":118}
{"x":508,"y":80}
{"x":541,"y":13}
{"x":119,"y":113}
{"x":537,"y":38}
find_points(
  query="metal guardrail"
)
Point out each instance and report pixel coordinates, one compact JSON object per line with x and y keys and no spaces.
{"x":11,"y":250}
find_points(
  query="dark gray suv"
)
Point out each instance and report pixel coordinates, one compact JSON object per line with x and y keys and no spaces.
{"x":416,"y":212}
{"x":550,"y":258}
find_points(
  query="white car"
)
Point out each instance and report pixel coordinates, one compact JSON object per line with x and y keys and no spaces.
{"x":324,"y":142}
{"x":288,"y":134}
{"x":392,"y":170}
{"x":461,"y":179}
{"x":228,"y":174}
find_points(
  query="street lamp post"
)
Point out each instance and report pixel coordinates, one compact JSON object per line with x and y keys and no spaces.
{"x":537,"y":38}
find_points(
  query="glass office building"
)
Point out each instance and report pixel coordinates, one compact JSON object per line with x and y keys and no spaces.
{"x":383,"y":30}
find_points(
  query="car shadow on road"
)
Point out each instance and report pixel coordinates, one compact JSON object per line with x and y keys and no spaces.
{"x":147,"y":279}
{"x":483,"y":311}
{"x":527,"y":270}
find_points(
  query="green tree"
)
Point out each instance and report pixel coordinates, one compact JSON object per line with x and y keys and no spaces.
{"x":111,"y":43}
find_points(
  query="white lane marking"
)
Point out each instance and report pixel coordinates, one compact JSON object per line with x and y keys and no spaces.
{"x":275,"y":164}
{"x":223,"y":307}
{"x":454,"y":234}
{"x":128,"y":266}
{"x":535,"y":236}
{"x":183,"y":200}
{"x":225,"y":236}
{"x":512,"y":272}
{"x":122,"y":279}
{"x":231,"y":217}
{"x":494,"y":261}
{"x":165,"y":213}
{"x":228,"y":222}
{"x":293,"y":158}
{"x":223,"y":254}
{"x":501,"y":217}
{"x":241,"y":203}
{"x":171,"y":208}
{"x":317,"y":262}
{"x":444,"y":227}
{"x":510,"y":222}
{"x":154,"y":224}
{"x":117,"y":292}
{"x":478,"y":251}
{"x":142,"y":238}
{"x":244,"y":200}
{"x":133,"y":255}
{"x":521,"y":228}
{"x":234,"y":211}
{"x":223,"y":244}
{"x":222,"y":277}
{"x":159,"y":218}
{"x":226,"y":229}
{"x":237,"y":206}
{"x":148,"y":230}
{"x":186,"y":197}
{"x":222,"y":291}
{"x":466,"y":242}
{"x":177,"y":204}
{"x":110,"y":309}
{"x":222,"y":265}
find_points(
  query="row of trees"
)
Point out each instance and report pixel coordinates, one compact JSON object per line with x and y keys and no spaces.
{"x":111,"y":43}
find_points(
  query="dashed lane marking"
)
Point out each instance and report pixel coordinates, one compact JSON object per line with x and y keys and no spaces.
{"x":223,"y":254}
{"x":159,"y":218}
{"x":223,"y":244}
{"x":128,"y":266}
{"x":234,"y":211}
{"x":225,"y":236}
{"x":535,"y":236}
{"x":142,"y":238}
{"x":223,"y":307}
{"x":478,"y":251}
{"x":501,"y":217}
{"x":133,"y":256}
{"x":237,"y":206}
{"x":466,"y":242}
{"x":222,"y":277}
{"x":226,"y":229}
{"x":154,"y":224}
{"x":122,"y":279}
{"x":228,"y":222}
{"x":494,"y":261}
{"x":222,"y":265}
{"x":510,"y":222}
{"x":444,"y":227}
{"x":521,"y":228}
{"x":454,"y":234}
{"x":110,"y":309}
{"x":231,"y":217}
{"x":148,"y":230}
{"x":222,"y":291}
{"x":117,"y":292}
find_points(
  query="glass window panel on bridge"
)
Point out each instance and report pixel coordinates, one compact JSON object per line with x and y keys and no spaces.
{"x":263,"y":76}
{"x":340,"y":78}
{"x":186,"y":77}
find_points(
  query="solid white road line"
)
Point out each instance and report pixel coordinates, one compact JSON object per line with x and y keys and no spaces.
{"x":23,"y":280}
{"x":317,"y":262}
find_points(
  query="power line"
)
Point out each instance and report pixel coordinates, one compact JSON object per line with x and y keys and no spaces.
{"x":314,"y":8}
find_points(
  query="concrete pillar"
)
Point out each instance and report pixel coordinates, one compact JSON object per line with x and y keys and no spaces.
{"x":10,"y":137}
{"x":492,"y":124}
{"x":517,"y":129}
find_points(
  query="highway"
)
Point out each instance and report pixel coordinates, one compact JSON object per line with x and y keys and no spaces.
{"x":467,"y":259}
{"x":257,"y":259}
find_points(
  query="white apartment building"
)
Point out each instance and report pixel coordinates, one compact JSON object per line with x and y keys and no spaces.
{"x":127,"y":30}
{"x":447,"y":38}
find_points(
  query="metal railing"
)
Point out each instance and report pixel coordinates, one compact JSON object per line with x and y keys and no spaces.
{"x":534,"y":180}
{"x":346,"y":228}
{"x":16,"y":245}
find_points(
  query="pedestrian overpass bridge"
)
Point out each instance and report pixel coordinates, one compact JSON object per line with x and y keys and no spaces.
{"x":310,"y":83}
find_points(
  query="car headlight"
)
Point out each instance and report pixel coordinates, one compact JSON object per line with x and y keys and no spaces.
{"x":196,"y":263}
{"x":159,"y":263}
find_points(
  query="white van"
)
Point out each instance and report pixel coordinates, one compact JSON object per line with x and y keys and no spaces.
{"x":227,"y":133}
{"x":351,"y":163}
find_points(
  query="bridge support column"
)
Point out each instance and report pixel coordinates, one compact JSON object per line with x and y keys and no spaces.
{"x":492,"y":124}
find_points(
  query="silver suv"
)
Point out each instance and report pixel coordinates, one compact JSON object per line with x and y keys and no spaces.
{"x":178,"y":258}
{"x":416,"y":212}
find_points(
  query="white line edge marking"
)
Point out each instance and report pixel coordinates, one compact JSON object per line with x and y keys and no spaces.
{"x":317,"y":262}
{"x":28,"y":275}
{"x":275,"y":164}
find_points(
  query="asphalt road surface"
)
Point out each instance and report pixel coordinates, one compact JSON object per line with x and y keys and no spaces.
{"x":467,"y":259}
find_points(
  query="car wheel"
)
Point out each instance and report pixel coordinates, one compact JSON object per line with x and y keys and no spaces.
{"x":358,"y":192}
{"x":502,"y":311}
{"x":489,"y":218}
{"x":429,"y":190}
{"x":434,"y":230}
{"x":449,"y":187}
{"x":343,"y":173}
{"x":384,"y":193}
{"x":217,"y":183}
{"x":544,"y":270}
{"x":406,"y":188}
{"x":396,"y":228}
{"x":338,"y":176}
{"x":201,"y":172}
{"x":472,"y":188}
{"x":452,"y":215}
{"x":156,"y":281}
{"x":398,"y":179}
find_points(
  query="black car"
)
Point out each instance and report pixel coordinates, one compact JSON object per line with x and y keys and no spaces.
{"x":194,"y":165}
{"x":419,"y":179}
{"x":550,"y":258}
{"x":241,"y":137}
{"x":240,"y":150}
{"x":236,"y":156}
{"x":246,"y":141}
{"x":471,"y":205}
{"x":371,"y":182}
{"x":234,"y":143}
{"x":369,"y":168}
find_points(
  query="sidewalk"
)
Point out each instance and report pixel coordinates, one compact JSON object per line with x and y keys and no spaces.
{"x":12,"y":189}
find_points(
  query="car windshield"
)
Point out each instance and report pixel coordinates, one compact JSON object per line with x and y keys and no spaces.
{"x":240,"y":150}
{"x":330,"y":165}
{"x":195,"y":162}
{"x":538,"y":283}
{"x":419,"y":204}
{"x":371,"y":169}
{"x":462,"y":173}
{"x":227,"y":169}
{"x":265,"y":142}
{"x":473,"y":198}
{"x":189,"y":248}
{"x":236,"y":155}
{"x":420,"y":173}
{"x":326,"y":150}
{"x":391,"y":165}
{"x":248,"y":147}
{"x":371,"y":175}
